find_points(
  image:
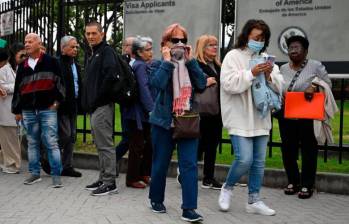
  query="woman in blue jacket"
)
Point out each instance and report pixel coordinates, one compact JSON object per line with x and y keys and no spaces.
{"x":137,"y":117}
{"x":161,"y":118}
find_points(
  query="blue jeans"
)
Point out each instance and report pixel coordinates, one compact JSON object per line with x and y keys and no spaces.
{"x":42,"y":126}
{"x":249,"y":158}
{"x":163,"y":145}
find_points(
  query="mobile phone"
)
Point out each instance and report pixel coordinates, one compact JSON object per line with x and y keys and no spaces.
{"x":270,"y":59}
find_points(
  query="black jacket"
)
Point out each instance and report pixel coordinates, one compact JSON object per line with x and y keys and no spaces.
{"x":37,"y":89}
{"x":208,"y":70}
{"x":100,"y":68}
{"x":71,"y":104}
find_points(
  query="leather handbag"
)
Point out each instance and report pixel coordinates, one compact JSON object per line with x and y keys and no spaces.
{"x":297,"y":107}
{"x":207,"y":103}
{"x":186,"y":126}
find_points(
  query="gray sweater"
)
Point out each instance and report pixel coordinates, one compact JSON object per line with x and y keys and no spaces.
{"x":312,"y":69}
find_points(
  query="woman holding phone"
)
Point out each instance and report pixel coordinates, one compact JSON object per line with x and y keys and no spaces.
{"x":249,"y":132}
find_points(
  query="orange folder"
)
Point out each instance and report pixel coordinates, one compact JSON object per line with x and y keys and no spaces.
{"x":297,"y":107}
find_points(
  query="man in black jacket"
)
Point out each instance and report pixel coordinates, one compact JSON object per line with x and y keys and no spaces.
{"x":68,"y":109}
{"x":100,"y":68}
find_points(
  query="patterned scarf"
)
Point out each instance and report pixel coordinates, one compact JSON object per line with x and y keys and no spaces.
{"x":182,"y":88}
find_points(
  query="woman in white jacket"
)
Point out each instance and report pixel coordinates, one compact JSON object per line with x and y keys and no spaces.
{"x":9,"y":139}
{"x":248,"y":131}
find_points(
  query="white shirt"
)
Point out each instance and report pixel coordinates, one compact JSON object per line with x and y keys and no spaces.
{"x":32,"y":62}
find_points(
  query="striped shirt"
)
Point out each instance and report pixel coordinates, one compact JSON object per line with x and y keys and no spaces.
{"x":312,"y":69}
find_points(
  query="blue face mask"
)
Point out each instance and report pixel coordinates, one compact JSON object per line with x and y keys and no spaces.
{"x":255,"y":46}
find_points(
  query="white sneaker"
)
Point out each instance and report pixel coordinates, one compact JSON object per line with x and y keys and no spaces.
{"x":10,"y":170}
{"x":259,"y":208}
{"x":224,"y":199}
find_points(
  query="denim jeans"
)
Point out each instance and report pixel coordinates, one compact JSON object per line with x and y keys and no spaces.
{"x":42,"y":126}
{"x":163,"y":145}
{"x":249,"y":158}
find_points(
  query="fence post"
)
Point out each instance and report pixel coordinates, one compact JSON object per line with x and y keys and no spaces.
{"x":341,"y":121}
{"x":60,"y":25}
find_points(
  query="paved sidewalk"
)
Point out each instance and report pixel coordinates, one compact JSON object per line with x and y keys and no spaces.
{"x":72,"y":204}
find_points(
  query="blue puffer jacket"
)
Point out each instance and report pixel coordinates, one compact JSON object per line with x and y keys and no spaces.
{"x":161,"y":79}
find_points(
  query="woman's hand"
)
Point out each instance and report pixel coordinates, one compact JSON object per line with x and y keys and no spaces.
{"x":3,"y":92}
{"x":188,"y":53}
{"x":268,"y":71}
{"x":309,"y":92}
{"x":211,"y":81}
{"x":265,"y":68}
{"x":166,"y":53}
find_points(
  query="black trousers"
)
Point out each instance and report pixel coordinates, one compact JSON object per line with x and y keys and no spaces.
{"x":67,"y":138}
{"x":140,"y":151}
{"x":294,"y":133}
{"x":210,"y":135}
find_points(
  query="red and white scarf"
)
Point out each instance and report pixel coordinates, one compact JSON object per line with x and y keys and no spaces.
{"x":182,"y":88}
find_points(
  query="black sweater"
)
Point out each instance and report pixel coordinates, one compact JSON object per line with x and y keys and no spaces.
{"x":71,"y":104}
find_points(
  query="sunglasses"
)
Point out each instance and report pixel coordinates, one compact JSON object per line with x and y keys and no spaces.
{"x":177,"y":40}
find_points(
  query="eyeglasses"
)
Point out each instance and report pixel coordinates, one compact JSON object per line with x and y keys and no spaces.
{"x":177,"y":40}
{"x":295,"y":48}
{"x":212,"y":45}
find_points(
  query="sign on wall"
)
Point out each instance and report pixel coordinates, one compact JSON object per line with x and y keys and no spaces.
{"x":6,"y":23}
{"x":151,"y":17}
{"x":324,"y":22}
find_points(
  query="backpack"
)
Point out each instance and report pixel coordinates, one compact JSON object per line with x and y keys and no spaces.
{"x":264,"y":97}
{"x":124,"y":90}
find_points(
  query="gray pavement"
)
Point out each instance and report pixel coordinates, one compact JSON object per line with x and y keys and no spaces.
{"x":72,"y":204}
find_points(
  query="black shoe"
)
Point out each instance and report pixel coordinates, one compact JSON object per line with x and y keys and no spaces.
{"x":305,"y":193}
{"x":105,"y":189}
{"x":94,"y":186}
{"x":211,"y":184}
{"x":71,"y":172}
{"x":158,"y":207}
{"x":190,"y":215}
{"x":32,"y":180}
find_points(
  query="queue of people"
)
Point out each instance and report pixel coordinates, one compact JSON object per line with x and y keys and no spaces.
{"x":44,"y":95}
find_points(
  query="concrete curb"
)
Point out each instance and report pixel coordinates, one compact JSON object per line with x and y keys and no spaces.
{"x":275,"y":178}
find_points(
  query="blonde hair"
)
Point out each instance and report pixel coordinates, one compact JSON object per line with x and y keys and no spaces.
{"x":201,"y":44}
{"x":167,"y":34}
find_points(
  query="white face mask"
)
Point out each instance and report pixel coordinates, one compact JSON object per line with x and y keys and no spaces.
{"x":255,"y":46}
{"x":177,"y":51}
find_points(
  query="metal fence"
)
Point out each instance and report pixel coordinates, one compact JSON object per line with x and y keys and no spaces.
{"x":52,"y":19}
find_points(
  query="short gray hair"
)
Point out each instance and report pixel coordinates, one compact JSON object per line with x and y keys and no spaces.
{"x":139,"y":43}
{"x":65,"y":40}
